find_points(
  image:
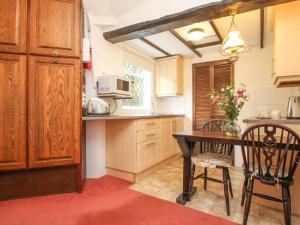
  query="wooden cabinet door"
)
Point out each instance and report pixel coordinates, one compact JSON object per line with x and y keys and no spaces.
{"x":54,"y":114}
{"x":168,"y":77}
{"x":178,"y":126}
{"x":55,"y":27}
{"x":148,"y":154}
{"x":12,"y":111}
{"x":13,"y":23}
{"x":167,"y":143}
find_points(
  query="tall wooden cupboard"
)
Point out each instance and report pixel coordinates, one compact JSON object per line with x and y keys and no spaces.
{"x":40,"y":97}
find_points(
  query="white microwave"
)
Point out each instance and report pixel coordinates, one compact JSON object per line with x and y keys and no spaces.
{"x":114,"y":85}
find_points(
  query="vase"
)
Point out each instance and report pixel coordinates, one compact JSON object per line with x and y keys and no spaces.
{"x":231,"y":128}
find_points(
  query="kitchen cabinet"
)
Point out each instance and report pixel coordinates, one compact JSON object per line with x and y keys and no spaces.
{"x":286,"y":54}
{"x":135,"y":146}
{"x":169,"y":76}
{"x":13,"y":24}
{"x":55,"y":27}
{"x":54,"y":116}
{"x":167,"y":144}
{"x":12,"y":111}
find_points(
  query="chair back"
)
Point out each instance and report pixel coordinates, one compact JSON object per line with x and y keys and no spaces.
{"x":215,"y":125}
{"x":271,"y":152}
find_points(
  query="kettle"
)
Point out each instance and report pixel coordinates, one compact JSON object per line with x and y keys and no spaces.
{"x":97,"y":106}
{"x":293,"y":109}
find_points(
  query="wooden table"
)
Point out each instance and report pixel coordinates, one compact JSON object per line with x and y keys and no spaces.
{"x":186,"y":141}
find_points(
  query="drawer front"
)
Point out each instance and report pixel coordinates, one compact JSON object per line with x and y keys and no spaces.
{"x":147,"y":154}
{"x":146,"y":135}
{"x":145,"y":124}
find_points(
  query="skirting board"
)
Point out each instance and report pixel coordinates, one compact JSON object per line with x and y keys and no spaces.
{"x":134,"y":177}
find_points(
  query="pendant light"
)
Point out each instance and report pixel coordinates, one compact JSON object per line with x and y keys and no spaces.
{"x":233,"y":44}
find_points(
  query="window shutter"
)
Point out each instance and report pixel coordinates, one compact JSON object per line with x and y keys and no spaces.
{"x":208,"y":76}
{"x":222,"y":77}
{"x":201,"y":100}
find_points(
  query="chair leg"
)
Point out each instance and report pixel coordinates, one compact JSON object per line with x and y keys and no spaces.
{"x":249,"y":191}
{"x":286,"y":204}
{"x":225,"y":181}
{"x":244,"y":190}
{"x":205,"y":178}
{"x":230,"y":186}
{"x":192,"y":177}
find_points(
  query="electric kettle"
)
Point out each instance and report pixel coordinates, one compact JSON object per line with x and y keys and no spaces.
{"x":97,"y":106}
{"x":293,"y":109}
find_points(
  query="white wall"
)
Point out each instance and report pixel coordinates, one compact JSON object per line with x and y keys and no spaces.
{"x":106,"y":60}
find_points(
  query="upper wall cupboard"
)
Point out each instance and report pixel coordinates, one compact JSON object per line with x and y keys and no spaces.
{"x":286,"y":54}
{"x":169,"y":76}
{"x":13,"y":23}
{"x":55,"y":27}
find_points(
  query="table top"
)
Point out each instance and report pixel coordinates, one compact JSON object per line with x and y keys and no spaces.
{"x":210,"y":136}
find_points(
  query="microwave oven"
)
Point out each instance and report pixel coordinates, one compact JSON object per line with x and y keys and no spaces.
{"x":114,"y":85}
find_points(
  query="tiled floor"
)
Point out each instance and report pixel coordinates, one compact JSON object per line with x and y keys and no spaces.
{"x":166,"y":183}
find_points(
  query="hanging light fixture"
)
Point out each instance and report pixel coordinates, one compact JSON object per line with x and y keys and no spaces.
{"x":196,"y":34}
{"x":233,"y":44}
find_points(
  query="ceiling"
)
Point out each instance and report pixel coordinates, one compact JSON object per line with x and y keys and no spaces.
{"x":111,"y":7}
{"x":248,"y":24}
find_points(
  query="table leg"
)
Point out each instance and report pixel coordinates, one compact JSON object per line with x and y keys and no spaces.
{"x":187,"y":150}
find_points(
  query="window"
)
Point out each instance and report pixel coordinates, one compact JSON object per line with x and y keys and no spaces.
{"x":141,"y":87}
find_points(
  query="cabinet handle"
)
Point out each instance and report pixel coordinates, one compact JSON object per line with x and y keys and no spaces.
{"x":55,"y":59}
{"x":150,"y":124}
{"x":150,"y":135}
{"x":150,"y":144}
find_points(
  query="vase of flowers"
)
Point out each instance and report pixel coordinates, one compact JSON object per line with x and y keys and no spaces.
{"x":231,"y":103}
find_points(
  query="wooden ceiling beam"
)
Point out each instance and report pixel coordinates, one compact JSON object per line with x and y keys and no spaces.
{"x":262,"y":27}
{"x":155,"y":46}
{"x":207,"y":44}
{"x":201,"y":13}
{"x":216,"y":30}
{"x":186,"y":43}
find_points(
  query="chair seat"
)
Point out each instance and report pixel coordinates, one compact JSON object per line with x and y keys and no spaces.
{"x":212,"y":160}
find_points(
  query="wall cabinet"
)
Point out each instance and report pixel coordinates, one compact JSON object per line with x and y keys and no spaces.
{"x":54,"y":116}
{"x":13,"y":24}
{"x":40,"y":98}
{"x":134,"y":146}
{"x":12,"y":111}
{"x":169,"y":76}
{"x":55,"y":27}
{"x":286,"y":54}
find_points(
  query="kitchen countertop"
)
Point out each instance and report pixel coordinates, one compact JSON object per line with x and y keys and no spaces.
{"x":280,"y":121}
{"x":131,"y":117}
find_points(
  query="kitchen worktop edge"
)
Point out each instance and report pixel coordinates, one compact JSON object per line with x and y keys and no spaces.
{"x":130,"y":117}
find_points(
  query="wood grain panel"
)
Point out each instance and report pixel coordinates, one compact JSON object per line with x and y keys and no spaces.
{"x":13,"y":23}
{"x":12,"y":111}
{"x":54,"y":111}
{"x":55,"y":27}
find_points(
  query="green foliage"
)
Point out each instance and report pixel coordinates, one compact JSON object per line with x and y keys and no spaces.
{"x":134,"y":74}
{"x":229,"y":101}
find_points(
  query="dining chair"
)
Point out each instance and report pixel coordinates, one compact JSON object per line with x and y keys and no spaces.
{"x":270,"y":153}
{"x":214,"y":155}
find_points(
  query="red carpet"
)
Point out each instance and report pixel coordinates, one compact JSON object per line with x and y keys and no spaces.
{"x":105,"y":201}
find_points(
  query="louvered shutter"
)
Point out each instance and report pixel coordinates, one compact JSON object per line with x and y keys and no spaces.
{"x":208,"y":76}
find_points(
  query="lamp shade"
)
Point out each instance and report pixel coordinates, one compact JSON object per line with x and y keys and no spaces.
{"x":233,"y":43}
{"x":196,"y":34}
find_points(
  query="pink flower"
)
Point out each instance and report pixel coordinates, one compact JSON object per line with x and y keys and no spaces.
{"x":215,"y":99}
